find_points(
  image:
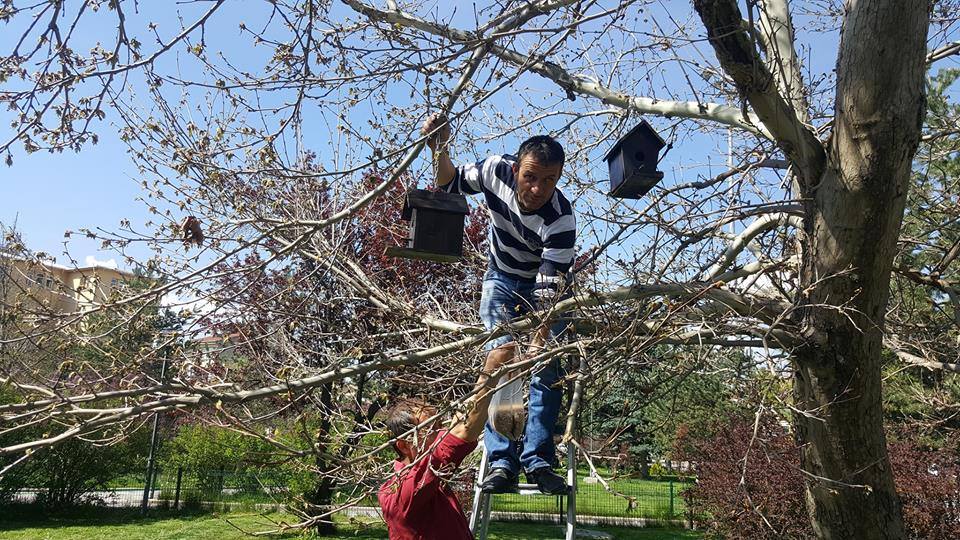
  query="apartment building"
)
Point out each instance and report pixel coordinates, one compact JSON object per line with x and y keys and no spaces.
{"x":58,"y":289}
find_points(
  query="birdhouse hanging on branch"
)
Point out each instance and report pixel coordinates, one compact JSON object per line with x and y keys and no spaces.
{"x":436,"y":226}
{"x":633,"y":163}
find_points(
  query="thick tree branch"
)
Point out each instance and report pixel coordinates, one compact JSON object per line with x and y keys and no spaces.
{"x":761,"y":225}
{"x":776,"y":25}
{"x":947,"y":50}
{"x":739,"y":58}
{"x":575,"y":83}
{"x":897,"y":348}
{"x":767,"y":311}
{"x":930,"y":281}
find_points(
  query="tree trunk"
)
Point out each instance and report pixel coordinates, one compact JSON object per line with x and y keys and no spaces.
{"x":853,"y":220}
{"x":322,"y":493}
{"x":853,"y":191}
{"x":644,"y":464}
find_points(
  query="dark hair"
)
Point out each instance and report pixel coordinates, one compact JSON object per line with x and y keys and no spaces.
{"x":543,"y":148}
{"x":403,"y":416}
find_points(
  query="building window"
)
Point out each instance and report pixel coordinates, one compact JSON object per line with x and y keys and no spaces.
{"x":49,"y":283}
{"x":113,"y":283}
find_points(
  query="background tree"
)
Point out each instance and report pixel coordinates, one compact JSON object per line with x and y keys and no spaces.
{"x":297,"y":320}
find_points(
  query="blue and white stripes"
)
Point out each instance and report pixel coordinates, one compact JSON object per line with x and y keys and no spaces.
{"x":521,"y":243}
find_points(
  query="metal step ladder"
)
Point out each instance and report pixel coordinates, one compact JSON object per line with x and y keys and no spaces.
{"x":480,"y":515}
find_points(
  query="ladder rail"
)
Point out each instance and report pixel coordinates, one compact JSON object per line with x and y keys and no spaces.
{"x":570,"y":432}
{"x":572,"y":493}
{"x":481,"y":503}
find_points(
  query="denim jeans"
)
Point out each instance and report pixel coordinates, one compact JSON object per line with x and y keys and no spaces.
{"x":503,"y":299}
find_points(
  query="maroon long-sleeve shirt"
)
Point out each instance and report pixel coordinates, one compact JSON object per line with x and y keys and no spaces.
{"x":418,"y":504}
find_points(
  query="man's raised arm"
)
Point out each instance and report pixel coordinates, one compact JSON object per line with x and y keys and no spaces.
{"x":439,"y":143}
{"x":470,"y":427}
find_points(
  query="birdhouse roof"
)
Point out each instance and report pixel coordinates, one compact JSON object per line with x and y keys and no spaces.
{"x":440,"y":201}
{"x":644,"y":130}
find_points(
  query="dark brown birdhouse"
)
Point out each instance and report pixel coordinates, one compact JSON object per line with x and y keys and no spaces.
{"x":633,"y":163}
{"x":436,"y":226}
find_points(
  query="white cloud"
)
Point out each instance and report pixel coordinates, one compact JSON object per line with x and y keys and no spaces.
{"x":197,"y":306}
{"x":109,"y":263}
{"x":171,"y":299}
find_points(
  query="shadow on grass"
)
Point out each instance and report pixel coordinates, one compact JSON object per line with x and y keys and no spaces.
{"x":90,"y":522}
{"x":27,"y":521}
{"x":32,"y":516}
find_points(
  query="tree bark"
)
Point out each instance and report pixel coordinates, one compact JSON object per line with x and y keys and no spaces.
{"x":853,"y":200}
{"x":851,"y":236}
{"x":322,"y":494}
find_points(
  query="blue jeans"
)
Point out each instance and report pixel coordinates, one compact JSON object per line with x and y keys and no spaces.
{"x":503,"y":299}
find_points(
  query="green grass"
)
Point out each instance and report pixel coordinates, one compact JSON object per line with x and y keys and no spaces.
{"x":652,"y":500}
{"x":117,"y":524}
{"x":27,"y":523}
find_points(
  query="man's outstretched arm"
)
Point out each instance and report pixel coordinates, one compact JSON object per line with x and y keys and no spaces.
{"x":471,"y":426}
{"x":439,"y":144}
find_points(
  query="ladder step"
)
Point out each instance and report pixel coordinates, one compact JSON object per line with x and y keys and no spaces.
{"x":529,"y":489}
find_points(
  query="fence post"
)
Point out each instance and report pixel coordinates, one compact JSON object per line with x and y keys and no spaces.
{"x":151,"y":457}
{"x":671,"y":498}
{"x":176,"y":493}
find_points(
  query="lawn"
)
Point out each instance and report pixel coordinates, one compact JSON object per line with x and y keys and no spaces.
{"x":25,"y":523}
{"x":651,"y":499}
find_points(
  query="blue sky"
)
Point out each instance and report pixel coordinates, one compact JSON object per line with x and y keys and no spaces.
{"x":47,"y":194}
{"x":50,"y":193}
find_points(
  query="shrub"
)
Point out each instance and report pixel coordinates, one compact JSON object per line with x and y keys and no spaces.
{"x":68,"y":472}
{"x":208,"y":453}
{"x":15,"y":478}
{"x":657,"y":470}
{"x":928,"y":482}
{"x":769,"y":502}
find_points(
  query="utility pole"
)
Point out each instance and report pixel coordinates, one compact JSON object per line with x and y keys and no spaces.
{"x":152,"y":456}
{"x":730,"y":181}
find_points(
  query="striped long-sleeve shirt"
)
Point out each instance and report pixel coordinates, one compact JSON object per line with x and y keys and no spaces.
{"x":521,"y":243}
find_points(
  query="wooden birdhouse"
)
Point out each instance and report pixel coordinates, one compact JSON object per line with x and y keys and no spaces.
{"x":436,"y":226}
{"x":633,"y":162}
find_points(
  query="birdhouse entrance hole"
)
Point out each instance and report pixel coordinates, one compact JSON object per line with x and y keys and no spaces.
{"x":633,"y":162}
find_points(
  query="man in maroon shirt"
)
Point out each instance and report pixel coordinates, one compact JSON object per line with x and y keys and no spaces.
{"x":416,"y":501}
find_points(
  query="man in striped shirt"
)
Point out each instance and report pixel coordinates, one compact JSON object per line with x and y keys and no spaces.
{"x":532,"y":236}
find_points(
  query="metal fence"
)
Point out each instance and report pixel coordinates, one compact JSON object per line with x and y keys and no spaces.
{"x":623,"y":500}
{"x":624,"y":497}
{"x":655,"y":499}
{"x":183,"y":488}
